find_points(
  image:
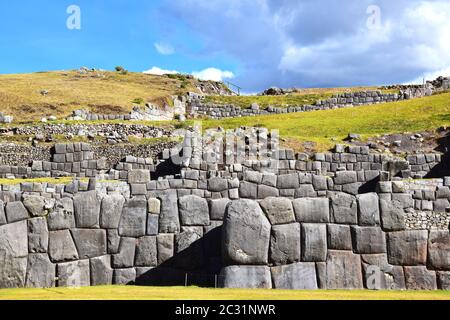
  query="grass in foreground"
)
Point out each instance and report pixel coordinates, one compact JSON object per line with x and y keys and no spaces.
{"x":194,"y":293}
{"x":320,"y":127}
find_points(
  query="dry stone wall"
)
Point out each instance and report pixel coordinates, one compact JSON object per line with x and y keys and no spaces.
{"x":215,"y":231}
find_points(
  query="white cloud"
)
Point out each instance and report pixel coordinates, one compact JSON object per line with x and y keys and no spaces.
{"x":213,"y":74}
{"x":164,"y":48}
{"x":159,"y":71}
{"x":431,"y":76}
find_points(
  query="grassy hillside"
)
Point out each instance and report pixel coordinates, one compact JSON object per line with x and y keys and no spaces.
{"x":194,"y":293}
{"x":102,"y":92}
{"x":323,"y":126}
{"x":301,"y":97}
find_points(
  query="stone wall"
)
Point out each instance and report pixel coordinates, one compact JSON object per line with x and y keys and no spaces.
{"x":155,"y":232}
{"x":197,"y":108}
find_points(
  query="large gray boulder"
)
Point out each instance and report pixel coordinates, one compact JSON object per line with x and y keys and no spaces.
{"x":13,"y":252}
{"x":73,"y":274}
{"x":63,"y":216}
{"x":217,"y":208}
{"x":138,"y":176}
{"x":101,"y":271}
{"x":15,"y":211}
{"x":407,"y":247}
{"x":61,"y":246}
{"x":343,"y":270}
{"x":217,"y":184}
{"x":285,"y":244}
{"x":288,"y":181}
{"x":146,"y":252}
{"x":111,"y":210}
{"x":443,"y":280}
{"x":37,"y":235}
{"x":439,"y":250}
{"x":315,"y":210}
{"x":278,"y":210}
{"x":314,"y":242}
{"x":369,"y":240}
{"x":134,"y":218}
{"x":246,"y":277}
{"x":40,"y":272}
{"x":248,"y":190}
{"x":392,"y":215}
{"x":193,"y":210}
{"x":368,"y":209}
{"x":124,"y":276}
{"x":339,"y":237}
{"x":90,"y":242}
{"x":419,"y":278}
{"x":344,"y":208}
{"x":87,"y":209}
{"x":297,"y":276}
{"x":125,"y":257}
{"x":188,"y":248}
{"x":246,"y":234}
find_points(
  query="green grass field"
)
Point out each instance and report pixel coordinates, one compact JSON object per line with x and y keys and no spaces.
{"x":194,"y":293}
{"x":328,"y":126}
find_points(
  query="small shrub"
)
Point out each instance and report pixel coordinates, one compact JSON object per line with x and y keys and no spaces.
{"x":138,"y":101}
{"x":119,"y":68}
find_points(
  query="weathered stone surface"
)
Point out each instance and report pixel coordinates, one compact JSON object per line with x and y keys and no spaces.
{"x":439,"y":250}
{"x":89,"y":242}
{"x":343,"y":270}
{"x":314,"y":242}
{"x":101,"y":271}
{"x":154,"y":206}
{"x":165,"y":243}
{"x":345,"y":177}
{"x":61,"y":246}
{"x":252,"y":277}
{"x":297,"y":276}
{"x":248,"y":190}
{"x":2,"y":213}
{"x":443,"y":280}
{"x":368,"y":209}
{"x":246,"y":234}
{"x":124,"y":276}
{"x":407,"y":247}
{"x":312,"y":209}
{"x":392,"y":216}
{"x":73,"y":274}
{"x":138,"y":176}
{"x":368,"y":239}
{"x":87,"y":209}
{"x":111,"y":210}
{"x":37,"y":235}
{"x":344,"y":209}
{"x":63,"y":216}
{"x":217,"y":184}
{"x":146,"y":253}
{"x":419,"y":278}
{"x":267,"y":191}
{"x":35,"y":205}
{"x":188,"y":248}
{"x":15,"y":211}
{"x":113,"y":239}
{"x":217,"y":208}
{"x":134,"y":218}
{"x":125,"y":257}
{"x":288,"y":181}
{"x":278,"y":210}
{"x":193,"y":210}
{"x":40,"y":272}
{"x":339,"y":237}
{"x":169,"y":219}
{"x":285,"y":244}
{"x":152,"y":224}
{"x":13,"y":254}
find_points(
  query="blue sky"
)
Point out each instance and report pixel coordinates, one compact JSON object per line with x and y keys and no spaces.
{"x":254,"y":43}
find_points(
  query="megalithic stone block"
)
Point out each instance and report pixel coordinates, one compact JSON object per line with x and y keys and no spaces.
{"x":246,"y":234}
{"x":251,"y":277}
{"x":87,"y":209}
{"x":297,"y":276}
{"x":40,"y":272}
{"x":407,"y":248}
{"x":343,"y":270}
{"x":111,"y":210}
{"x":285,"y":244}
{"x":134,"y":218}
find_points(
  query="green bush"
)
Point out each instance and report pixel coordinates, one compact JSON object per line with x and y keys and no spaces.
{"x":138,"y":101}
